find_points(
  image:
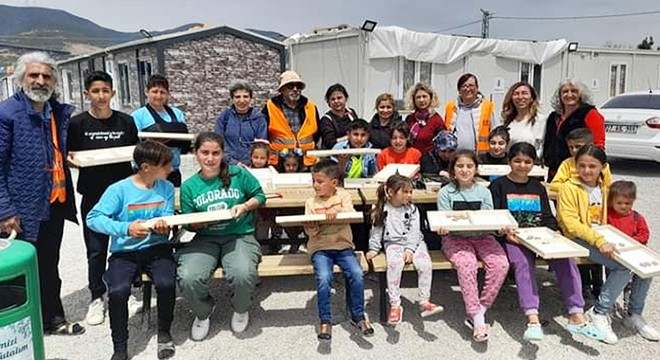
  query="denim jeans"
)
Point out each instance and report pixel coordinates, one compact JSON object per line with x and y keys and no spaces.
{"x":618,"y":277}
{"x":639,"y":289}
{"x":323,"y":261}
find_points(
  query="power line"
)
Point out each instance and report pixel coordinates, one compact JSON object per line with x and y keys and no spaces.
{"x":459,"y":26}
{"x":577,"y":17}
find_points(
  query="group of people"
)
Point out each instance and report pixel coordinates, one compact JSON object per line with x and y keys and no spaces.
{"x":36,"y":196}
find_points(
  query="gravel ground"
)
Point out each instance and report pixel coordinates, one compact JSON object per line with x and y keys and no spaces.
{"x":284,"y":318}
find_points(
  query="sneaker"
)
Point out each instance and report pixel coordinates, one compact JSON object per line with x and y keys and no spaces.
{"x":239,"y":322}
{"x":364,"y":326}
{"x":636,"y":322}
{"x":602,"y":323}
{"x":96,"y":312}
{"x":135,"y":305}
{"x":428,"y":308}
{"x":200,"y":328}
{"x":395,"y":315}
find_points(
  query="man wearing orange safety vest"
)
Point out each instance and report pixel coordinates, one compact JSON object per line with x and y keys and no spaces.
{"x":36,"y":191}
{"x":473,"y":118}
{"x":292,"y":120}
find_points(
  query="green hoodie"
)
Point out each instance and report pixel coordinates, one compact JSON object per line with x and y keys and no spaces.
{"x":199,"y":195}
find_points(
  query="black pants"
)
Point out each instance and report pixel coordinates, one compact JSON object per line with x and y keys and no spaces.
{"x":123,"y":268}
{"x":48,"y":246}
{"x":97,"y":249}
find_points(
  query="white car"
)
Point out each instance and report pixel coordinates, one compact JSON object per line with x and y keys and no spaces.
{"x":632,"y":125}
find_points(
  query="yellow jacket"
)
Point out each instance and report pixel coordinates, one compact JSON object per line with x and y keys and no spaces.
{"x":573,"y":212}
{"x":568,"y":170}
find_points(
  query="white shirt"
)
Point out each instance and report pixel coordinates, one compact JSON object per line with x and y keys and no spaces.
{"x":524,"y":131}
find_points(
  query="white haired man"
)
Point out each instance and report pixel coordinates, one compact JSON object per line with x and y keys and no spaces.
{"x":36,"y":192}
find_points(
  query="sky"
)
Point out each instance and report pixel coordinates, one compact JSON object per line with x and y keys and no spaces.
{"x":290,"y":16}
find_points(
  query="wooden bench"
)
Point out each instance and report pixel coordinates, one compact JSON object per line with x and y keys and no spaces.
{"x":270,"y":266}
{"x":439,"y":262}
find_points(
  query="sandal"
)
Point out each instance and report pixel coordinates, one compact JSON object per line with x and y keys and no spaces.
{"x":585,"y":329}
{"x":365,"y":326}
{"x":165,"y":350}
{"x":480,"y":333}
{"x":66,"y":329}
{"x":534,"y":332}
{"x":325,"y":332}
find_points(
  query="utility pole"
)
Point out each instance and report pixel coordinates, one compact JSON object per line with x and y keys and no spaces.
{"x":485,"y":23}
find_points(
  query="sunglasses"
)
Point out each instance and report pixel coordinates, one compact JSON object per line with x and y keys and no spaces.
{"x":292,"y":86}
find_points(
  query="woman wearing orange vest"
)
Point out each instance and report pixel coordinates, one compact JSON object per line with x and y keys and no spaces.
{"x":292,"y":119}
{"x":472,"y":117}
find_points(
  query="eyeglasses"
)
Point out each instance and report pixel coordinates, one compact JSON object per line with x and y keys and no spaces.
{"x":292,"y":86}
{"x":468,"y":86}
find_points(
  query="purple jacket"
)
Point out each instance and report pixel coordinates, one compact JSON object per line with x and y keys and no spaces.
{"x":26,"y":153}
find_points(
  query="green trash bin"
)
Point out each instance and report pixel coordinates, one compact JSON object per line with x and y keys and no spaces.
{"x":21,"y":331}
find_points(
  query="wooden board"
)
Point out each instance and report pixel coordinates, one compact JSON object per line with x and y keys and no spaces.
{"x":264,"y":176}
{"x":360,"y":183}
{"x":192,"y":218}
{"x":302,"y":220}
{"x":98,"y":157}
{"x":501,"y":170}
{"x":166,"y":135}
{"x":549,"y":244}
{"x":635,"y":256}
{"x":350,"y":151}
{"x":291,"y":179}
{"x":408,"y":170}
{"x":467,"y":220}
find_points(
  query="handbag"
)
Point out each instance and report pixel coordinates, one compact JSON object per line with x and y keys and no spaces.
{"x":175,"y":126}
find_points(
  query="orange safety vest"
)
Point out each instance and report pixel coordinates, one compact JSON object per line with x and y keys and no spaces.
{"x":58,"y":192}
{"x":281,"y":136}
{"x":484,"y":122}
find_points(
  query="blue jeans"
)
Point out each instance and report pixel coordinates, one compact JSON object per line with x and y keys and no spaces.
{"x":639,"y":289}
{"x":323,"y":261}
{"x":618,"y":277}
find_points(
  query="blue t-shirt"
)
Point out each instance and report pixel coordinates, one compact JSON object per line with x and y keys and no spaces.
{"x":143,"y":119}
{"x":122,"y":203}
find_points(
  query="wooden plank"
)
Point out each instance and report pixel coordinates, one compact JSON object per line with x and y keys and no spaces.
{"x":409,"y":170}
{"x":501,"y":170}
{"x":113,"y":155}
{"x":166,"y":135}
{"x":349,"y":151}
{"x":291,"y":180}
{"x":360,"y":183}
{"x":302,"y":220}
{"x":192,"y":218}
{"x":467,"y":220}
{"x":549,"y":244}
{"x":640,"y":259}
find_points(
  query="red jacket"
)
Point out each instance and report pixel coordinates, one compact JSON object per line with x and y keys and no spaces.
{"x":633,"y":224}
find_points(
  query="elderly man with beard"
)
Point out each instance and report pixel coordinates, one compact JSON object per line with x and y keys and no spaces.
{"x":292,"y":120}
{"x":36,"y":192}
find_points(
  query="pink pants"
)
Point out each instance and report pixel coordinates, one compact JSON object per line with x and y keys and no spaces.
{"x":395,"y":264}
{"x":463,"y":254}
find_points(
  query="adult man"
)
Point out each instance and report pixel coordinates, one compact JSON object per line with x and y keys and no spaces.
{"x":292,"y":119}
{"x":36,"y":192}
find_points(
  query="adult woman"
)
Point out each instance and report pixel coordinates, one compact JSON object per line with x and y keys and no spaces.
{"x":573,"y":108}
{"x":334,"y":124}
{"x":240,"y":124}
{"x":381,"y":122}
{"x":520,"y":114}
{"x":471,"y":117}
{"x":424,"y":122}
{"x":217,"y":186}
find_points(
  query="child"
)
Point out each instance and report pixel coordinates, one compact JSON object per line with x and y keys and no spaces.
{"x":156,"y":113}
{"x":527,"y":200}
{"x":400,"y":151}
{"x":333,"y":244}
{"x":498,"y":140}
{"x":357,"y":166}
{"x":291,"y":161}
{"x":435,"y":164}
{"x":134,"y":248}
{"x":99,"y":128}
{"x":582,"y":202}
{"x":464,"y":249}
{"x":591,"y":274}
{"x":621,"y":215}
{"x":259,"y":154}
{"x":396,"y":227}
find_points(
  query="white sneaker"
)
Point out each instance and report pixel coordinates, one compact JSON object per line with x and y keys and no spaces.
{"x":637,"y":323}
{"x":200,"y":328}
{"x":135,"y":305}
{"x":96,"y":312}
{"x":602,"y":323}
{"x":239,"y":322}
